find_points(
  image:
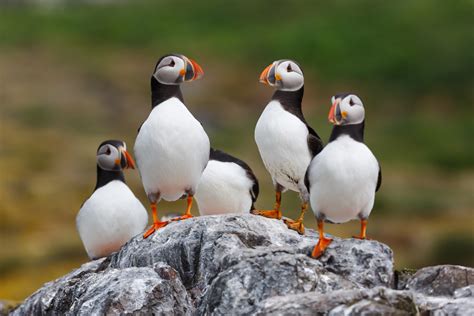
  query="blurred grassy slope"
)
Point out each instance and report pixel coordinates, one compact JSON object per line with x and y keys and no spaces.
{"x":72,"y":76}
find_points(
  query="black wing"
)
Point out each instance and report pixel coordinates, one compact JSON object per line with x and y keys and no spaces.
{"x":225,"y":157}
{"x":306,"y":178}
{"x":315,"y":144}
{"x":138,"y":130}
{"x":379,"y":180}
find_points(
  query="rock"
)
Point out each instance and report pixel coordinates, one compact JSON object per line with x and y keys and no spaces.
{"x":377,"y":301}
{"x":440,"y":280}
{"x":402,"y":277}
{"x":467,"y":291}
{"x":444,"y":290}
{"x":277,"y":273}
{"x":94,"y":291}
{"x":442,"y":305}
{"x":218,"y":265}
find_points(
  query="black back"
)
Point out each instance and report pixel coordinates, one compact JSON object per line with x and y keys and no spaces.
{"x":219,"y":155}
{"x":291,"y":102}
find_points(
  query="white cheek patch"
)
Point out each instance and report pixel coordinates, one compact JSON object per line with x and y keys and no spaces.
{"x":107,"y":162}
{"x":292,"y":81}
{"x":355,"y":113}
{"x":167,"y":75}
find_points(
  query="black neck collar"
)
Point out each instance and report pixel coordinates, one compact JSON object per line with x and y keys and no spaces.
{"x":289,"y":98}
{"x":162,"y":92}
{"x":106,"y":176}
{"x":355,"y":131}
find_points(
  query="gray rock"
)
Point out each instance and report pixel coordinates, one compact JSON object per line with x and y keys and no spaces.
{"x":440,"y":280}
{"x":137,"y":291}
{"x":203,"y":247}
{"x":240,"y":265}
{"x":467,"y":291}
{"x":277,"y":273}
{"x":377,"y":301}
{"x":443,"y":305}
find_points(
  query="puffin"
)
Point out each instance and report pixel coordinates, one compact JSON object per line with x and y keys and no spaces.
{"x":112,"y":215}
{"x":227,"y":186}
{"x":284,"y":139}
{"x":344,"y":177}
{"x":171,"y":149}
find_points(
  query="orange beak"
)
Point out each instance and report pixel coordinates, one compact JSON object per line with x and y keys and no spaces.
{"x":264,"y":75}
{"x":198,"y":72}
{"x":332,"y":112}
{"x":130,"y":162}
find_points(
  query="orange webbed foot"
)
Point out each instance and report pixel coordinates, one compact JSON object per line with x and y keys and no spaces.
{"x":268,"y":213}
{"x":180,"y":218}
{"x":154,"y":227}
{"x":295,"y":225}
{"x":361,"y":237}
{"x":320,"y":247}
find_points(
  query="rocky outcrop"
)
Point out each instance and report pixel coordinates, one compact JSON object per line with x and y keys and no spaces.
{"x":244,"y":265}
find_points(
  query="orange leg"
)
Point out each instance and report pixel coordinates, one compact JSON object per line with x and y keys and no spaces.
{"x":298,"y":224}
{"x":275,"y":213}
{"x":363,"y":229}
{"x":188,"y":210}
{"x":157,"y":224}
{"x":323,"y":242}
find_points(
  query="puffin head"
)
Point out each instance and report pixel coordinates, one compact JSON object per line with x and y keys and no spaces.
{"x":284,"y":74}
{"x":174,"y":69}
{"x":112,"y":155}
{"x":346,"y":109}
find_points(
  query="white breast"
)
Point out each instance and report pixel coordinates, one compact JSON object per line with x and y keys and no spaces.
{"x":109,"y":218}
{"x":171,"y":150}
{"x":342,"y":179}
{"x":281,"y":139}
{"x":224,"y":188}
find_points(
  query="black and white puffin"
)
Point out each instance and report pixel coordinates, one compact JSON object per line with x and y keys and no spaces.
{"x":172,"y":148}
{"x":343,"y":178}
{"x":285,"y":140}
{"x":112,"y":215}
{"x":227,"y":186}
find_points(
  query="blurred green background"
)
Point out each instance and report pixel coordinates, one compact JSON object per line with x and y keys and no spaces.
{"x":73,"y":75}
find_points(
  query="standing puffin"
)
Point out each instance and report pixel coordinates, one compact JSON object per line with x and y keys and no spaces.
{"x":112,"y":215}
{"x":172,"y":148}
{"x":343,"y":178}
{"x":285,"y":140}
{"x":227,"y":186}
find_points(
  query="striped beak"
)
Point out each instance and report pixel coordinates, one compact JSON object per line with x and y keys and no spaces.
{"x":192,"y":70}
{"x":126,"y":160}
{"x":268,"y":75}
{"x":335,"y":115}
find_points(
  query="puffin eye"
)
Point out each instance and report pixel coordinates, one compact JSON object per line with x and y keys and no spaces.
{"x":351,"y":103}
{"x":172,"y":63}
{"x":108,"y":152}
{"x":288,"y":69}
